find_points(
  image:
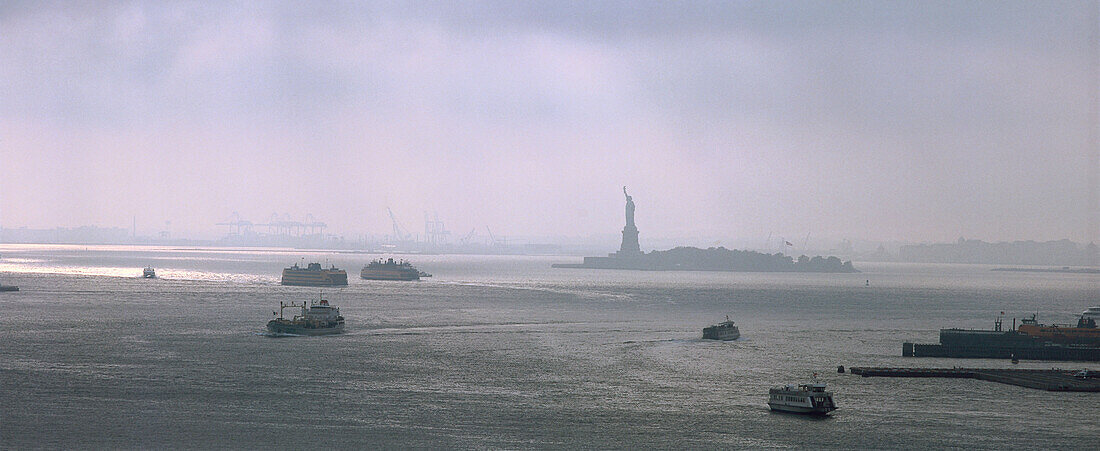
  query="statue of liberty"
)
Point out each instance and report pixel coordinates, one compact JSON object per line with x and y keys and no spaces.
{"x":629,"y":246}
{"x":629,"y":210}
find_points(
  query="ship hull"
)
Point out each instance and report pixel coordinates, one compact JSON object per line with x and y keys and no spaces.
{"x":777,"y":407}
{"x":288,"y":327}
{"x":389,"y":275}
{"x":9,"y":288}
{"x":721,"y":334}
{"x":306,"y":278}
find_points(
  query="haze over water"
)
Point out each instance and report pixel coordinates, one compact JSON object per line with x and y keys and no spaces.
{"x":501,"y":351}
{"x":734,"y":123}
{"x":729,"y":121}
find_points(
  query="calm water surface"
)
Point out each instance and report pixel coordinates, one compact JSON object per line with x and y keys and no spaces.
{"x":505,"y":352}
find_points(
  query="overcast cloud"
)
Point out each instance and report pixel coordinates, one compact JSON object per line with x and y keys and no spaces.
{"x":873,"y":120}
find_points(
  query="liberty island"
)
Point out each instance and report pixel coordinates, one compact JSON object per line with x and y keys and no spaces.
{"x":630,"y":256}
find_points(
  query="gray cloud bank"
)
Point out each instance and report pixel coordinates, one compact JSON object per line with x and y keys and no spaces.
{"x":879,"y":120}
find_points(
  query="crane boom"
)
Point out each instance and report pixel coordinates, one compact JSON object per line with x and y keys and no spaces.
{"x":398,"y":234}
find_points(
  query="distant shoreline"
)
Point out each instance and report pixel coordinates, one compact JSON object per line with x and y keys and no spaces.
{"x":1065,"y":269}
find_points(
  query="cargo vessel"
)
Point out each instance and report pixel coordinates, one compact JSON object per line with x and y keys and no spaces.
{"x":1031,"y":341}
{"x":391,"y":270}
{"x":319,"y":319}
{"x":810,"y":399}
{"x":313,"y":275}
{"x":9,"y":288}
{"x":724,"y":331}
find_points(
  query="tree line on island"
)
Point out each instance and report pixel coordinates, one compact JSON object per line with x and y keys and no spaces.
{"x":722,"y":259}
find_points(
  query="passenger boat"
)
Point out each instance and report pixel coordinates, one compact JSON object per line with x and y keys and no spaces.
{"x":810,"y":399}
{"x":149,"y":273}
{"x":319,"y":319}
{"x":314,"y":275}
{"x":724,"y":331}
{"x":391,"y":270}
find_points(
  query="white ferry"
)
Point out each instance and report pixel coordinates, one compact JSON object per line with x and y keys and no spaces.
{"x":806,"y":398}
{"x":149,"y":273}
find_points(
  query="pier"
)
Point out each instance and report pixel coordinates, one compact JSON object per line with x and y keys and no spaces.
{"x":1050,"y":380}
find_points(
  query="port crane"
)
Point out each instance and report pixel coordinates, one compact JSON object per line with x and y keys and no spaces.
{"x":467,"y":237}
{"x":276,"y":225}
{"x":493,"y":240}
{"x":434,"y":231}
{"x":398,"y":232}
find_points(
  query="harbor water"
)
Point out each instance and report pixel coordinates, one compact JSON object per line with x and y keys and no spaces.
{"x":505,"y":352}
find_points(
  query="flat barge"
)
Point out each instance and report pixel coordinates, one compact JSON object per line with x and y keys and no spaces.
{"x":1050,"y":380}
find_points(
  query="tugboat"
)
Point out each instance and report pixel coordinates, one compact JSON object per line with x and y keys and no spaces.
{"x":314,"y":275}
{"x":810,"y":399}
{"x":149,"y":273}
{"x":391,"y":270}
{"x":724,"y":331}
{"x":319,"y":319}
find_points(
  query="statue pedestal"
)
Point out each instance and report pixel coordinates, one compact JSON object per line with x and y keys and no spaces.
{"x":630,"y":245}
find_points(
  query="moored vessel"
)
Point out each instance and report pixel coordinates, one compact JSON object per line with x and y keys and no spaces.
{"x":390,"y":270}
{"x":724,"y":331}
{"x":1031,"y":341}
{"x":1085,"y":333}
{"x":810,"y":399}
{"x":319,"y":319}
{"x":313,"y":275}
{"x":149,"y":272}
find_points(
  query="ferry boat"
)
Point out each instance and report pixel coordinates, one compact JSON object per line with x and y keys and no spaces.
{"x":319,"y":319}
{"x":390,"y":270}
{"x":724,"y":331}
{"x":1085,"y":333}
{"x":314,"y":275}
{"x":149,"y":273}
{"x":811,"y":399}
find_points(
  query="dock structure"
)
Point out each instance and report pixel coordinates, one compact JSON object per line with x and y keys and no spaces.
{"x":1050,"y":380}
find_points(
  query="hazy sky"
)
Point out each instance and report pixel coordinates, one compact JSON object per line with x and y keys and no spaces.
{"x":875,"y":120}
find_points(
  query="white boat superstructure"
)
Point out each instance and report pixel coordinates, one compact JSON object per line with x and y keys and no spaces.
{"x":806,"y":398}
{"x":1092,"y":313}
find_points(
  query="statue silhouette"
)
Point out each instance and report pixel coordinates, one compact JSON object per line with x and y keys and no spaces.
{"x":629,"y":209}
